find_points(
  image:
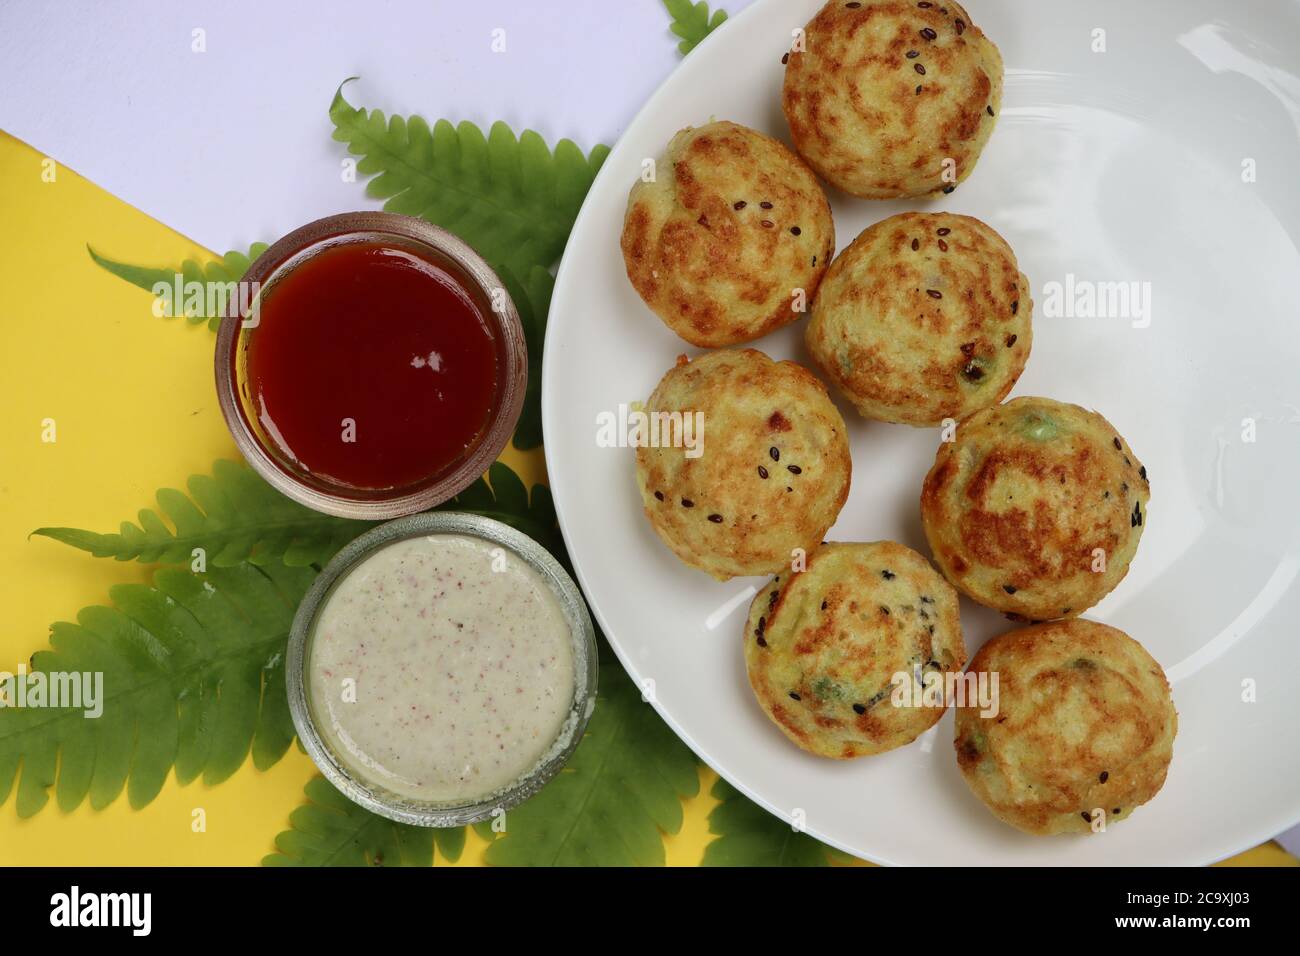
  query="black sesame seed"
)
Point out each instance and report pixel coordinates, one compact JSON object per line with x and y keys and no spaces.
{"x":1015,"y":306}
{"x":740,"y":205}
{"x":1011,"y":340}
{"x":765,"y":205}
{"x":968,"y":348}
{"x":943,"y":231}
{"x":775,"y":453}
{"x":972,"y":372}
{"x":788,"y":488}
{"x":771,"y":601}
{"x":934,"y":293}
{"x":762,"y":472}
{"x":794,"y":696}
{"x":928,"y":33}
{"x":703,"y":221}
{"x":794,"y":469}
{"x":1136,"y":520}
{"x":1127,"y":462}
{"x":659,"y":495}
{"x":960,"y":25}
{"x":912,"y":54}
{"x":1105,"y":775}
{"x":785,"y":58}
{"x":1123,"y":486}
{"x":926,"y":600}
{"x":918,"y":91}
{"x":884,"y":610}
{"x":989,"y":110}
{"x":1142,"y":472}
{"x":888,"y":575}
{"x":762,"y":626}
{"x":916,"y":244}
{"x":687,"y":503}
{"x":1009,"y":588}
{"x":859,"y":709}
{"x":948,"y":189}
{"x":1086,"y":816}
{"x":919,"y":67}
{"x":943,"y":246}
{"x":823,"y":605}
{"x":761,"y":642}
{"x":1116,"y":442}
{"x":795,"y":230}
{"x":767,"y":224}
{"x":715,"y":518}
{"x":1115,"y":811}
{"x":925,"y":5}
{"x":853,"y":6}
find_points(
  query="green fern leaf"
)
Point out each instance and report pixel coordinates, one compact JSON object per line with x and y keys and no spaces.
{"x":533,"y":301}
{"x":508,"y":501}
{"x":608,"y":806}
{"x":747,"y":835}
{"x":512,"y":199}
{"x":194,"y":666}
{"x":484,"y":829}
{"x":229,"y":268}
{"x":193,"y":678}
{"x":691,"y":22}
{"x":235,"y":516}
{"x":331,"y":830}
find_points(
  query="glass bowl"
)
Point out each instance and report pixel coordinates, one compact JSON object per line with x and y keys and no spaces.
{"x":404,"y":809}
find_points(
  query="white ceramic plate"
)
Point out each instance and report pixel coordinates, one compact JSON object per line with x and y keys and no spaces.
{"x":1118,"y":166}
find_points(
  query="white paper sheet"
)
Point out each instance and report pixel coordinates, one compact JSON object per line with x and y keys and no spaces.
{"x":232,"y":145}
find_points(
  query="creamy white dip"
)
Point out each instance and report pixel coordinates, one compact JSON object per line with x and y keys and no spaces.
{"x":441,"y":668}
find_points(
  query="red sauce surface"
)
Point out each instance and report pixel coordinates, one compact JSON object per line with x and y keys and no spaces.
{"x":377,"y":335}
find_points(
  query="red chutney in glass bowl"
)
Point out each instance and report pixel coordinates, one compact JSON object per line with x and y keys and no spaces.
{"x":380,"y":369}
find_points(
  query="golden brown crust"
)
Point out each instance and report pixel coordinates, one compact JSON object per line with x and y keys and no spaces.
{"x":1036,"y":508}
{"x":822,"y":646}
{"x":925,"y":316}
{"x":885,"y":90}
{"x":774,"y":470}
{"x":733,"y":224}
{"x":1084,"y":729}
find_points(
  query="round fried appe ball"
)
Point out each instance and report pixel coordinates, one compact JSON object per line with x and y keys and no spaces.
{"x":925,"y":316}
{"x":731,"y":239}
{"x":823,"y":646}
{"x":1084,"y":729}
{"x":892,"y":98}
{"x":768,"y":475}
{"x":1036,"y":508}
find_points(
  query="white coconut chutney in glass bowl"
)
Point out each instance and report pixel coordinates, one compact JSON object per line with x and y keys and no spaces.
{"x":441,"y":668}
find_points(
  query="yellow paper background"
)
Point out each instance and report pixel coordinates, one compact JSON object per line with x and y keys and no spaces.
{"x":134,"y":409}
